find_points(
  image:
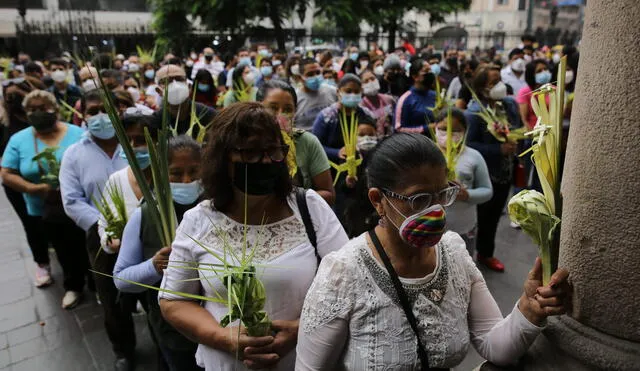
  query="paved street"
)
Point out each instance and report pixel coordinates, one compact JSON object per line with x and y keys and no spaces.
{"x":36,"y":334}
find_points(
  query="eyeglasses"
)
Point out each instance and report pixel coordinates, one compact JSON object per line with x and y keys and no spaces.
{"x":421,"y":201}
{"x":254,"y":155}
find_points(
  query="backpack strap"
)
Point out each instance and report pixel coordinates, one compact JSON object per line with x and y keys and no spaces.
{"x":301,"y":198}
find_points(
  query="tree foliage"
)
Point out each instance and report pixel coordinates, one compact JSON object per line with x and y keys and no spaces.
{"x":171,"y":24}
{"x":238,"y":16}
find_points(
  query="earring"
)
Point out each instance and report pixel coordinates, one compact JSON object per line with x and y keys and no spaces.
{"x":382,"y":222}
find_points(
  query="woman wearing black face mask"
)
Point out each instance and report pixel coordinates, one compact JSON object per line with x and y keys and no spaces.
{"x":22,"y":174}
{"x":499,"y":156}
{"x":412,"y":113}
{"x":249,"y":195}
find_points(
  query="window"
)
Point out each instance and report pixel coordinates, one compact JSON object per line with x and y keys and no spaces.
{"x":104,"y":5}
{"x":29,"y":4}
{"x":503,"y":2}
{"x":522,"y":5}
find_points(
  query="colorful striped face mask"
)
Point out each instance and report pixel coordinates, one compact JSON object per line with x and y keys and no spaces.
{"x":424,"y":229}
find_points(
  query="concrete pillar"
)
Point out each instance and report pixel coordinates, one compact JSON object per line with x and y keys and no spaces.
{"x":600,"y":241}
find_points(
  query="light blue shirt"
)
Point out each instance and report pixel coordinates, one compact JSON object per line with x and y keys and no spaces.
{"x":19,"y":156}
{"x":131,"y":265}
{"x":84,"y":171}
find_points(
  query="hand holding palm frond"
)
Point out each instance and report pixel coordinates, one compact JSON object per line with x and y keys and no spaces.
{"x":350,"y":138}
{"x":496,"y":120}
{"x":113,"y":209}
{"x":48,"y":155}
{"x":539,"y":214}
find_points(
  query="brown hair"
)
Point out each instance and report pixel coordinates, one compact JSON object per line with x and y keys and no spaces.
{"x":232,"y":126}
{"x":480,"y":79}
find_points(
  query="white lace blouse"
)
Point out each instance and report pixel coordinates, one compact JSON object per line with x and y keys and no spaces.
{"x":285,"y":260}
{"x":352,"y":319}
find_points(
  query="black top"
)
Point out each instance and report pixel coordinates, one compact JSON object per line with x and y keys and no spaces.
{"x":204,"y":112}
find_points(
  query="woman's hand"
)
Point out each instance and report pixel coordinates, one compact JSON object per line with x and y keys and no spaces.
{"x":237,"y":346}
{"x":351,"y":181}
{"x":539,"y":302}
{"x":463,"y":195}
{"x":284,"y":342}
{"x":113,"y":244}
{"x":343,"y":153}
{"x":161,"y":259}
{"x":41,"y":189}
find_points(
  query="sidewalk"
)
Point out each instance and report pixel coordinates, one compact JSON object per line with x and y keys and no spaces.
{"x":37,"y":334}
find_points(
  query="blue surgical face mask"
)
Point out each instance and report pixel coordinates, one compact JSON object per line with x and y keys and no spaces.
{"x":543,"y":77}
{"x":351,"y":100}
{"x":330,"y":82}
{"x":245,"y":60}
{"x":435,"y":69}
{"x":204,"y":88}
{"x":142,"y":157}
{"x":313,"y":83}
{"x":266,"y":70}
{"x":150,"y":74}
{"x":264,"y":53}
{"x":354,"y":56}
{"x":100,"y":126}
{"x":186,"y":193}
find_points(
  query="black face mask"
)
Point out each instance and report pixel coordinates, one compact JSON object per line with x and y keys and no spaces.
{"x":259,"y":179}
{"x":452,"y":62}
{"x":42,"y":121}
{"x":428,"y":80}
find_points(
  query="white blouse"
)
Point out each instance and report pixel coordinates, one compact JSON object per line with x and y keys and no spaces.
{"x":352,"y":319}
{"x":285,"y":261}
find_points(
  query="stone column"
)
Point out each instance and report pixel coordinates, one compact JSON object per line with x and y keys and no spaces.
{"x":600,"y":241}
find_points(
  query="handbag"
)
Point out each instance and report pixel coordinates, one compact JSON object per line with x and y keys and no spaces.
{"x":404,"y":301}
{"x":53,"y":210}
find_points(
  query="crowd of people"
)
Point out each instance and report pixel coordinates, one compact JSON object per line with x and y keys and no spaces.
{"x":362,"y":270}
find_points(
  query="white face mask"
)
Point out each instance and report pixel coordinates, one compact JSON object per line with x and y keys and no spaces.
{"x":568,"y":77}
{"x":364,"y":64}
{"x":178,"y":92}
{"x":518,"y":65}
{"x":371,"y":88}
{"x":89,"y":85}
{"x":441,"y":137}
{"x":556,"y":58}
{"x":133,"y":67}
{"x":366,"y":143}
{"x":135,"y":93}
{"x":59,"y":76}
{"x":379,"y":70}
{"x":295,"y":69}
{"x":527,"y":58}
{"x":499,"y":91}
{"x":249,"y":78}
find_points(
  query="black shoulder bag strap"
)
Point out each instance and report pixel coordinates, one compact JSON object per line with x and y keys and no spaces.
{"x":303,"y":208}
{"x":404,"y":300}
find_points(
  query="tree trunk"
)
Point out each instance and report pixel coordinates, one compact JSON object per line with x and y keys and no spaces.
{"x":274,"y":15}
{"x":392,"y":28}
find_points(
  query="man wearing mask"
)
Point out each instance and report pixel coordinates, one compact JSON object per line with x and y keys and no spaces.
{"x":172,"y":81}
{"x":412,"y":113}
{"x":394,"y":82}
{"x":363,"y":62}
{"x":513,"y":74}
{"x":85,"y":168}
{"x":314,"y":96}
{"x":244,"y":57}
{"x":449,"y":67}
{"x":209,"y":63}
{"x":61,"y":89}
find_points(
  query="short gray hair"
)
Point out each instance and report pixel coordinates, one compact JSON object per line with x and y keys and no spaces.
{"x":40,"y":94}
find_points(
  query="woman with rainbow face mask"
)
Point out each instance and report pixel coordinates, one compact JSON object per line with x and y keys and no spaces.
{"x":407,"y":294}
{"x":311,"y":161}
